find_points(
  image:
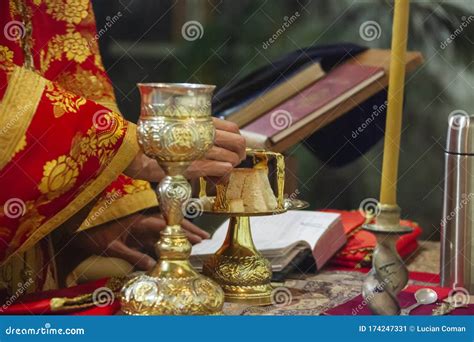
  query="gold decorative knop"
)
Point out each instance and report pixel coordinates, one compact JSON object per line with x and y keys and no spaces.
{"x":389,"y":274}
{"x":175,"y":128}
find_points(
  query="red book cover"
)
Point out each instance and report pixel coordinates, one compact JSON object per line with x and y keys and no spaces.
{"x":339,"y":84}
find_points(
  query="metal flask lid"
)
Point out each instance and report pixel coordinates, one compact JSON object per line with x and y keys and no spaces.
{"x":460,"y":133}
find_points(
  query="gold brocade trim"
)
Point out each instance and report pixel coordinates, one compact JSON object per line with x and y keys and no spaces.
{"x":88,"y":300}
{"x":26,"y":40}
{"x":122,"y":159}
{"x":112,"y":105}
{"x":17,"y":109}
{"x":121,"y":207}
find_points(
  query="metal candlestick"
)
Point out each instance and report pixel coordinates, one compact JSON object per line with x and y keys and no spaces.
{"x":175,"y":128}
{"x":389,"y":274}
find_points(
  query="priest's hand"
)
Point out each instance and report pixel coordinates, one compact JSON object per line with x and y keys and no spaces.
{"x":228,"y":151}
{"x":131,"y":238}
{"x":143,"y":167}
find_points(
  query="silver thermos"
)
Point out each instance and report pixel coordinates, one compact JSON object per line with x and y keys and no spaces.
{"x":457,"y":227}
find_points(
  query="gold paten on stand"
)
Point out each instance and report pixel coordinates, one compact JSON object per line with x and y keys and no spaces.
{"x":238,"y":267}
{"x":175,"y":128}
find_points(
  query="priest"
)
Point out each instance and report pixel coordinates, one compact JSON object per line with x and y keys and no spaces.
{"x":72,"y":177}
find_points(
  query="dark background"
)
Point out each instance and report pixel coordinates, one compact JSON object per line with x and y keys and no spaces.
{"x":146,"y":45}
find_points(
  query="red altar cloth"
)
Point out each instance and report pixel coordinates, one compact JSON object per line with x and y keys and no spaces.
{"x":356,"y":254}
{"x":357,"y":306}
{"x":81,"y":302}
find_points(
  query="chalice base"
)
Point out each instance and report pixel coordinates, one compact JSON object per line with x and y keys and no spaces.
{"x":242,"y":272}
{"x":171,"y":288}
{"x":256,"y":295}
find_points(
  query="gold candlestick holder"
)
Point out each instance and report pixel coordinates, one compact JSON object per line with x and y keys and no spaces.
{"x":238,"y":267}
{"x":175,"y":128}
{"x":389,"y":274}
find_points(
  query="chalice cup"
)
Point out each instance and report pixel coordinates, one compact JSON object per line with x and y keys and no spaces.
{"x":175,"y":128}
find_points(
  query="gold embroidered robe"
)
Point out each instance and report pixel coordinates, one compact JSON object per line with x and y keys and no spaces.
{"x":63,"y":142}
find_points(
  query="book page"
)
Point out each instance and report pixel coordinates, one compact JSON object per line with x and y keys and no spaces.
{"x":276,"y":231}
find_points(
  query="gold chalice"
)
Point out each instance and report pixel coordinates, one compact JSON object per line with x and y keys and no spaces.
{"x":175,"y":128}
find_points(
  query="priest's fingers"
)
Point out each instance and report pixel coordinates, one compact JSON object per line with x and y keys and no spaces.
{"x":222,"y":154}
{"x":193,"y":238}
{"x":208,"y":168}
{"x":143,"y":167}
{"x":145,"y":231}
{"x":150,"y":224}
{"x":228,"y":136}
{"x":225,"y":125}
{"x":231,"y":141}
{"x":139,"y":260}
{"x":192,"y":228}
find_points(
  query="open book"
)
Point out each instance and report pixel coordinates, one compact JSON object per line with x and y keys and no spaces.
{"x":286,"y":240}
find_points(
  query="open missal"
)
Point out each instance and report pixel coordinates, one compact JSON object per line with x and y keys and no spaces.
{"x":286,"y":240}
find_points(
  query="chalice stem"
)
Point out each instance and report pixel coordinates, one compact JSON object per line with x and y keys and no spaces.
{"x":174,"y":191}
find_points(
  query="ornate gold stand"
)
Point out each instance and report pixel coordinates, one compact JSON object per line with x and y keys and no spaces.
{"x":175,"y":128}
{"x":242,"y":272}
{"x":389,"y":274}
